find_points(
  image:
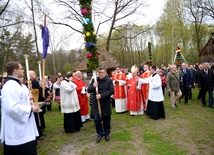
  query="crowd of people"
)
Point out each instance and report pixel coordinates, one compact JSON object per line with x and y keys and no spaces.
{"x":136,"y":90}
{"x":139,"y":91}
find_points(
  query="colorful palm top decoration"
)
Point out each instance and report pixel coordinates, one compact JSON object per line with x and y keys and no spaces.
{"x":178,"y":56}
{"x":89,"y":35}
{"x":150,"y":53}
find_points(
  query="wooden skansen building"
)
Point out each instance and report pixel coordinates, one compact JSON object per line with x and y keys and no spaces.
{"x":207,"y":53}
{"x":105,"y":60}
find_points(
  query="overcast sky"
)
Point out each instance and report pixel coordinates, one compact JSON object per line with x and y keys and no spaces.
{"x":151,"y":14}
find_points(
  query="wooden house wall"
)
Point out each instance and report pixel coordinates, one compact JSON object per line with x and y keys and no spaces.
{"x":207,"y":54}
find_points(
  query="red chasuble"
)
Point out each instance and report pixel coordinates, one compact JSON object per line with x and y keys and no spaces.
{"x":145,"y":87}
{"x":119,"y":91}
{"x":135,"y":97}
{"x":83,"y":99}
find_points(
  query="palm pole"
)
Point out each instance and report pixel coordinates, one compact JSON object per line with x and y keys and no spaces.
{"x":90,"y":41}
{"x":150,"y":53}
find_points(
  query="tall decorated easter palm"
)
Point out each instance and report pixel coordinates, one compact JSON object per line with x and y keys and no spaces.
{"x":89,"y":35}
{"x":179,"y":57}
{"x":150,"y":53}
{"x":90,"y":40}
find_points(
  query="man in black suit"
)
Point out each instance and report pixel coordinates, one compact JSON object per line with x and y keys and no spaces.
{"x":102,"y":114}
{"x":206,"y":84}
{"x":200,"y":67}
{"x":193,"y":72}
{"x":141,"y":70}
{"x":187,"y":81}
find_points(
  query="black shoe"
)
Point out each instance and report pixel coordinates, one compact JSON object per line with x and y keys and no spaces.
{"x":204,"y":105}
{"x":39,"y":138}
{"x":211,"y":106}
{"x":99,"y":137}
{"x":107,"y":138}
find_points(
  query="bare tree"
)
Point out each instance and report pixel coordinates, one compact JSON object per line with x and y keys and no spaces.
{"x":7,"y":13}
{"x":207,"y":6}
{"x":121,"y":10}
{"x":4,"y":7}
{"x":71,"y":17}
{"x":31,"y":7}
{"x":197,"y":17}
{"x":128,"y":45}
{"x":109,"y":12}
{"x":54,"y":45}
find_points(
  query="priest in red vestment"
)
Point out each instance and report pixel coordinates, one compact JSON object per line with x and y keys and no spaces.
{"x":145,"y":87}
{"x":82,"y":96}
{"x":135,"y":98}
{"x":119,"y":81}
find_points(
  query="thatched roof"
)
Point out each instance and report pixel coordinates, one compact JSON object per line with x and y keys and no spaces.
{"x":105,"y":60}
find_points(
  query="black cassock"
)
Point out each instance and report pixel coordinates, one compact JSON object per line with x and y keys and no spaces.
{"x":40,"y":121}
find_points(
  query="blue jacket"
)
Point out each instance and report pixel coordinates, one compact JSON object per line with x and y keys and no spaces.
{"x":187,"y":78}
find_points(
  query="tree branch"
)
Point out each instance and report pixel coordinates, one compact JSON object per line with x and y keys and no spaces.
{"x":4,"y":8}
{"x":68,"y":26}
{"x":12,"y":24}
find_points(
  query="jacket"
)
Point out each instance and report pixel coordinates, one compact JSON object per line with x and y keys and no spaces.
{"x":206,"y":81}
{"x":187,"y":78}
{"x":172,"y":81}
{"x":105,"y":89}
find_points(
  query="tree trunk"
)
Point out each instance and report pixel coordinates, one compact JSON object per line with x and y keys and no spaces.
{"x":34,"y":27}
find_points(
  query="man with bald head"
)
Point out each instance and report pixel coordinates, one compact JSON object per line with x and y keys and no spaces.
{"x":82,"y":96}
{"x":40,"y":121}
{"x":173,"y":86}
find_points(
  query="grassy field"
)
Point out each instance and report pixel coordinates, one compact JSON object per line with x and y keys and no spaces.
{"x":188,"y":130}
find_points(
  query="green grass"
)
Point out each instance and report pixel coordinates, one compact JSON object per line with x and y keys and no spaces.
{"x":124,"y":136}
{"x":188,"y":130}
{"x":158,"y":145}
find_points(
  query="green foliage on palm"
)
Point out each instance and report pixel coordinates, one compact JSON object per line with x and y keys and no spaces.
{"x":89,"y":34}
